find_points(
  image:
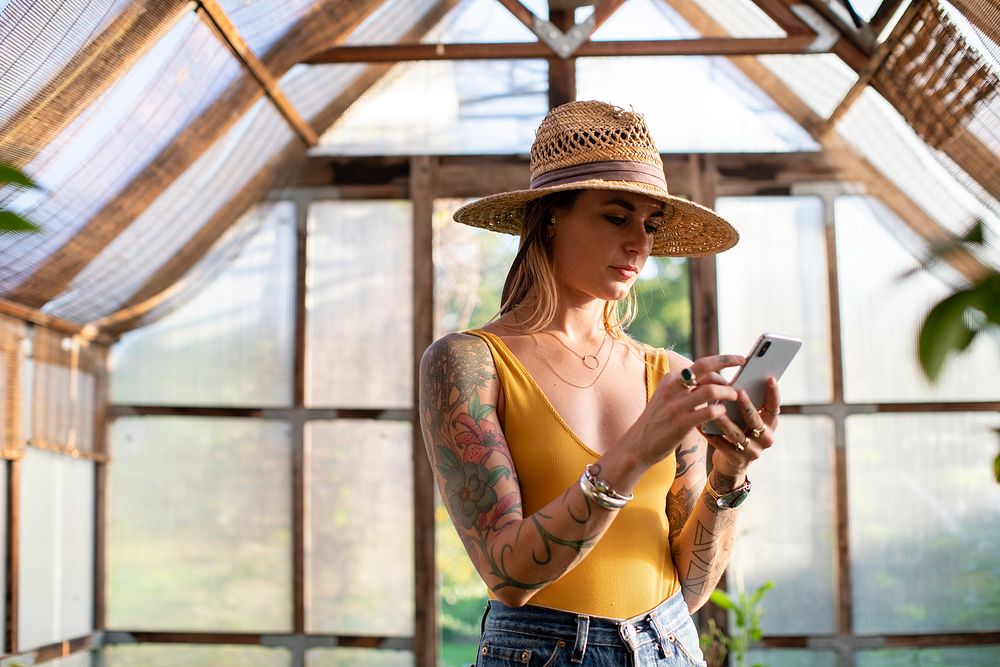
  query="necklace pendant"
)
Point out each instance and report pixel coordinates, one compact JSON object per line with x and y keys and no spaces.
{"x":591,"y":361}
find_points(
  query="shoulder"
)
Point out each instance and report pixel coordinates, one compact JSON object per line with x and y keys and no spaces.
{"x":458,"y":358}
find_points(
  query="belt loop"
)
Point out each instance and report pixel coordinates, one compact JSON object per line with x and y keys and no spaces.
{"x":580,"y":645}
{"x":482,"y":624}
{"x":661,"y":635}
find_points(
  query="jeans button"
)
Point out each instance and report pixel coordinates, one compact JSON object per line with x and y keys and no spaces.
{"x":671,"y":637}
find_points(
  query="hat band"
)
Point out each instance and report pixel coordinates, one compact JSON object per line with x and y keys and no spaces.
{"x":609,"y":170}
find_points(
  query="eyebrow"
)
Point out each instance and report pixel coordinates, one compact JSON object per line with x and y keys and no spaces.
{"x":629,"y":206}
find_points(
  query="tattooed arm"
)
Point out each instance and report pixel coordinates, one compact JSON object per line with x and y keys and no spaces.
{"x":701,"y":534}
{"x":515,"y":555}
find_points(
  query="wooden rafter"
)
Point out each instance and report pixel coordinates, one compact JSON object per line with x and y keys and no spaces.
{"x":853,"y":166}
{"x":711,"y":46}
{"x":212,"y":13}
{"x":61,"y":266}
{"x":126,"y":38}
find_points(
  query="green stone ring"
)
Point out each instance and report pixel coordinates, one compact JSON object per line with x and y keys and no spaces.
{"x":688,"y":379}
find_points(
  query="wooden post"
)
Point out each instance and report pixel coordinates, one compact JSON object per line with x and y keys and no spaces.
{"x":425,"y":581}
{"x":562,"y":71}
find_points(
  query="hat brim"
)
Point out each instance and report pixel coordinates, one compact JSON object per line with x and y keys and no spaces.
{"x":689,"y":229}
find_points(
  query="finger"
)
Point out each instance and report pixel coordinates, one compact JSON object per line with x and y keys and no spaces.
{"x":731,"y":431}
{"x":706,"y":393}
{"x":772,"y":404}
{"x":755,"y":425}
{"x":715,"y":363}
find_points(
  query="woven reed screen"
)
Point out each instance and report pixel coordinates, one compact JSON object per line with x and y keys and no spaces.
{"x":50,"y":113}
{"x":11,"y":334}
{"x":68,"y":393}
{"x":949,"y":91}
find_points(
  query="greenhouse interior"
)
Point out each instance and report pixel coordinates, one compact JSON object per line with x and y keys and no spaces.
{"x":174,"y":173}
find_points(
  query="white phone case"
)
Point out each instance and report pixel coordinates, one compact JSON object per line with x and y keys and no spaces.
{"x":769,"y":356}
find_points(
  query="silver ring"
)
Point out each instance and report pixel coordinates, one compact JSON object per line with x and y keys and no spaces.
{"x":770,"y":411}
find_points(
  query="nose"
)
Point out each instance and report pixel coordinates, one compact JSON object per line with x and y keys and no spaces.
{"x":638,"y":242}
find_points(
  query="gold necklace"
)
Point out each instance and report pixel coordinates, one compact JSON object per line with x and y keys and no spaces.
{"x":573,"y":384}
{"x":585,"y":358}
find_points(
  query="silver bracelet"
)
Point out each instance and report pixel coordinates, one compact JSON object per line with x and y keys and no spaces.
{"x":598,"y":490}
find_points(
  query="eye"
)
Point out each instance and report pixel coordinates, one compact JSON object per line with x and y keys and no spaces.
{"x":651,"y":228}
{"x":615,"y":219}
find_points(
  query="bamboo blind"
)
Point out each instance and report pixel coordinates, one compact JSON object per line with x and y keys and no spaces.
{"x":11,"y":336}
{"x":949,"y":91}
{"x":68,"y":393}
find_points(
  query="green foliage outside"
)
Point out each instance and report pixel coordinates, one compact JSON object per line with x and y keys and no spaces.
{"x":747,"y":612}
{"x":10,"y":222}
{"x":952,"y":324}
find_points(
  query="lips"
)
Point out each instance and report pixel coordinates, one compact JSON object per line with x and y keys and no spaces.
{"x":626,"y":271}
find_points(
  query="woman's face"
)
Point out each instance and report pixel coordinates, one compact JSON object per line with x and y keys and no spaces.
{"x":601,"y":243}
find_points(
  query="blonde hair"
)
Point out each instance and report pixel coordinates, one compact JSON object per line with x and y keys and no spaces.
{"x":530,"y":287}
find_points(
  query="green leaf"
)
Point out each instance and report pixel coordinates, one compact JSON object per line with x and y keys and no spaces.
{"x":944,"y":330}
{"x":974,"y":234}
{"x":14,"y":176}
{"x":720,"y":598}
{"x":996,"y":467}
{"x":496,"y":474}
{"x":12,"y":222}
{"x":759,"y":593}
{"x":447,"y":460}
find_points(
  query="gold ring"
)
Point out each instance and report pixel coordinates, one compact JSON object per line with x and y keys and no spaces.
{"x":688,"y":379}
{"x":755,"y":432}
{"x":740,"y":446}
{"x":770,"y":411}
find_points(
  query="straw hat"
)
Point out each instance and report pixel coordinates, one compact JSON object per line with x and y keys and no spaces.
{"x":598,"y":146}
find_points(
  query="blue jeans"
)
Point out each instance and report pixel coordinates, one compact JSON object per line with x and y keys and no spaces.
{"x":541,"y":637}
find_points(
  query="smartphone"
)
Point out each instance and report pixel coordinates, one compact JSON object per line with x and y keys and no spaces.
{"x":769,"y":357}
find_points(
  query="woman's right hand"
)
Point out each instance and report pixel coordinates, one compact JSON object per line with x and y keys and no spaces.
{"x":675,"y":409}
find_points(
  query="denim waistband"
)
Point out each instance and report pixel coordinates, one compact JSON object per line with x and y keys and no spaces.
{"x":580,"y":630}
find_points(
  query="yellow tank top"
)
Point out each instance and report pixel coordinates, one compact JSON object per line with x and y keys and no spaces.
{"x":630,"y":571}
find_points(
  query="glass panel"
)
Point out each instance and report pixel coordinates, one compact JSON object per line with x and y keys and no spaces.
{"x":924,"y":511}
{"x":722,"y":111}
{"x":787,"y":531}
{"x":162,"y":655}
{"x":644,"y":19}
{"x":360,"y":657}
{"x":775,"y":280}
{"x":56,"y":582}
{"x":63,"y":410}
{"x":791,"y":658}
{"x":200,"y":525}
{"x":359,"y":563}
{"x":881,"y":313}
{"x":452,"y":107}
{"x":470,"y":266}
{"x":359,"y":341}
{"x":231,"y":344}
{"x":966,"y":656}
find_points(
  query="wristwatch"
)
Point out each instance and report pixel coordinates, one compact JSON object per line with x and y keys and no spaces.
{"x":732,"y":499}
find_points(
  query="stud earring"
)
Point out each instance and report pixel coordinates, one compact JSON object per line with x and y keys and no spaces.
{"x":553,"y":220}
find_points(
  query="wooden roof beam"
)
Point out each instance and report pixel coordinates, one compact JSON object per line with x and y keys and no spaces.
{"x":216,"y":18}
{"x":62,"y":266}
{"x":712,"y":46}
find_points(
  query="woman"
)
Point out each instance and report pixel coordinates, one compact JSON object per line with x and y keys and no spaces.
{"x":569,"y":456}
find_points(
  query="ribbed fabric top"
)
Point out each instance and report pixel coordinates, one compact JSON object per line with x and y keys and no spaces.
{"x":630,"y":571}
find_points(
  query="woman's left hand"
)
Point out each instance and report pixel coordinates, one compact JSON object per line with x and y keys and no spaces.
{"x":736,"y":447}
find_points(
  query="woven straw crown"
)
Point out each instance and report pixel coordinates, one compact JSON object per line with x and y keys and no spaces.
{"x":594,"y":145}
